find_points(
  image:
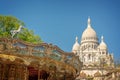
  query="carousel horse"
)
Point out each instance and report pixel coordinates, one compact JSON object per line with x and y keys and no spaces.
{"x":13,"y":32}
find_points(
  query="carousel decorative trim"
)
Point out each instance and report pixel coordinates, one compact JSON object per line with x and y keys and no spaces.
{"x":38,"y":61}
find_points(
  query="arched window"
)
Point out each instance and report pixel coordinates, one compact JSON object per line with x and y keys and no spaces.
{"x":92,"y":46}
{"x":89,"y":56}
{"x":84,"y":46}
{"x":103,"y":52}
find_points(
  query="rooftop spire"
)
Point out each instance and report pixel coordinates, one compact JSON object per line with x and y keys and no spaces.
{"x":89,"y":22}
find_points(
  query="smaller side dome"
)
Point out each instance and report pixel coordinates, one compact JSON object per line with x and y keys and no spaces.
{"x":102,"y":44}
{"x":75,"y":46}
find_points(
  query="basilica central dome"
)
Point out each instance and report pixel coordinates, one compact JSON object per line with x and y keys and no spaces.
{"x":89,"y":34}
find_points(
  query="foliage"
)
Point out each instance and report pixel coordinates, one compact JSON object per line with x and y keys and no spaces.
{"x":8,"y":23}
{"x":28,"y":35}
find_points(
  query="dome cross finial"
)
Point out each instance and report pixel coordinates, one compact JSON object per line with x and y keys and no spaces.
{"x":102,"y":39}
{"x":89,"y":22}
{"x":76,"y":39}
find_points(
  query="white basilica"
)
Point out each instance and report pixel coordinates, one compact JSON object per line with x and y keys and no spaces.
{"x":92,"y":53}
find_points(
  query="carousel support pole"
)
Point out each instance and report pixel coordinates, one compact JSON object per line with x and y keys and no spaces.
{"x":25,"y":73}
{"x":38,"y":72}
{"x":65,"y":75}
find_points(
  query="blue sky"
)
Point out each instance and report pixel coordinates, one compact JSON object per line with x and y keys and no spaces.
{"x":60,"y":21}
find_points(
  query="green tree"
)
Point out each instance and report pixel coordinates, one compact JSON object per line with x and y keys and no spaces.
{"x":8,"y":23}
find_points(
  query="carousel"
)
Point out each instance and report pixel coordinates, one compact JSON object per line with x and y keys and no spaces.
{"x":21,"y":60}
